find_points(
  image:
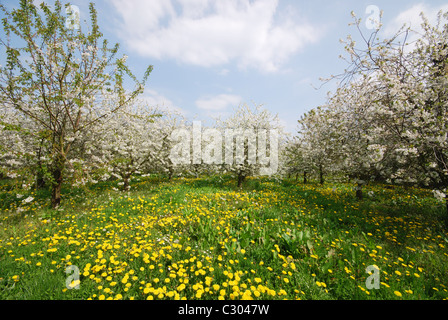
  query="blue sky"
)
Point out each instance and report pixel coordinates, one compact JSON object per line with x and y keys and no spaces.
{"x":211,"y":55}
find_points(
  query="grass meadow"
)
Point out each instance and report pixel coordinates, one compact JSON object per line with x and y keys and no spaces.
{"x":203,"y":238}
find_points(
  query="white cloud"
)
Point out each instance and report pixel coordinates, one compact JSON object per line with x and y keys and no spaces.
{"x":154,"y":99}
{"x":218,"y":103}
{"x":214,"y":32}
{"x":412,"y":19}
{"x":218,"y":106}
{"x":223,"y":72}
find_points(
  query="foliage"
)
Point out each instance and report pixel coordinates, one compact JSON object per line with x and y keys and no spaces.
{"x":56,"y":84}
{"x":387,"y":121}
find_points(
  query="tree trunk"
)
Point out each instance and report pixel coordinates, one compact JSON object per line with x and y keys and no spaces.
{"x":321,"y":174}
{"x":40,"y":181}
{"x":297,"y":176}
{"x":126,"y":182}
{"x":240,"y":180}
{"x":304,"y":177}
{"x":446,"y":202}
{"x":56,"y":188}
{"x":359,"y":191}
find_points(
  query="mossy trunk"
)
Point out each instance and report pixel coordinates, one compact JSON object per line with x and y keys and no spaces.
{"x":126,"y":179}
{"x":40,"y":181}
{"x":56,"y":187}
{"x":321,"y":174}
{"x":446,"y":203}
{"x":241,"y":179}
{"x":359,"y":191}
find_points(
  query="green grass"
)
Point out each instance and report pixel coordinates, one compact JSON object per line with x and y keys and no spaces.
{"x":203,"y":238}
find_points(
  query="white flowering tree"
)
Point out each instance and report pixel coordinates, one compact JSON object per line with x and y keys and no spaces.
{"x":409,"y":108}
{"x":252,"y":140}
{"x":317,"y":142}
{"x":390,"y":110}
{"x":134,"y":140}
{"x":166,"y":124}
{"x":363,"y":147}
{"x":23,"y":149}
{"x":13,"y":143}
{"x":294,"y":159}
{"x":128,"y":142}
{"x":56,"y":77}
